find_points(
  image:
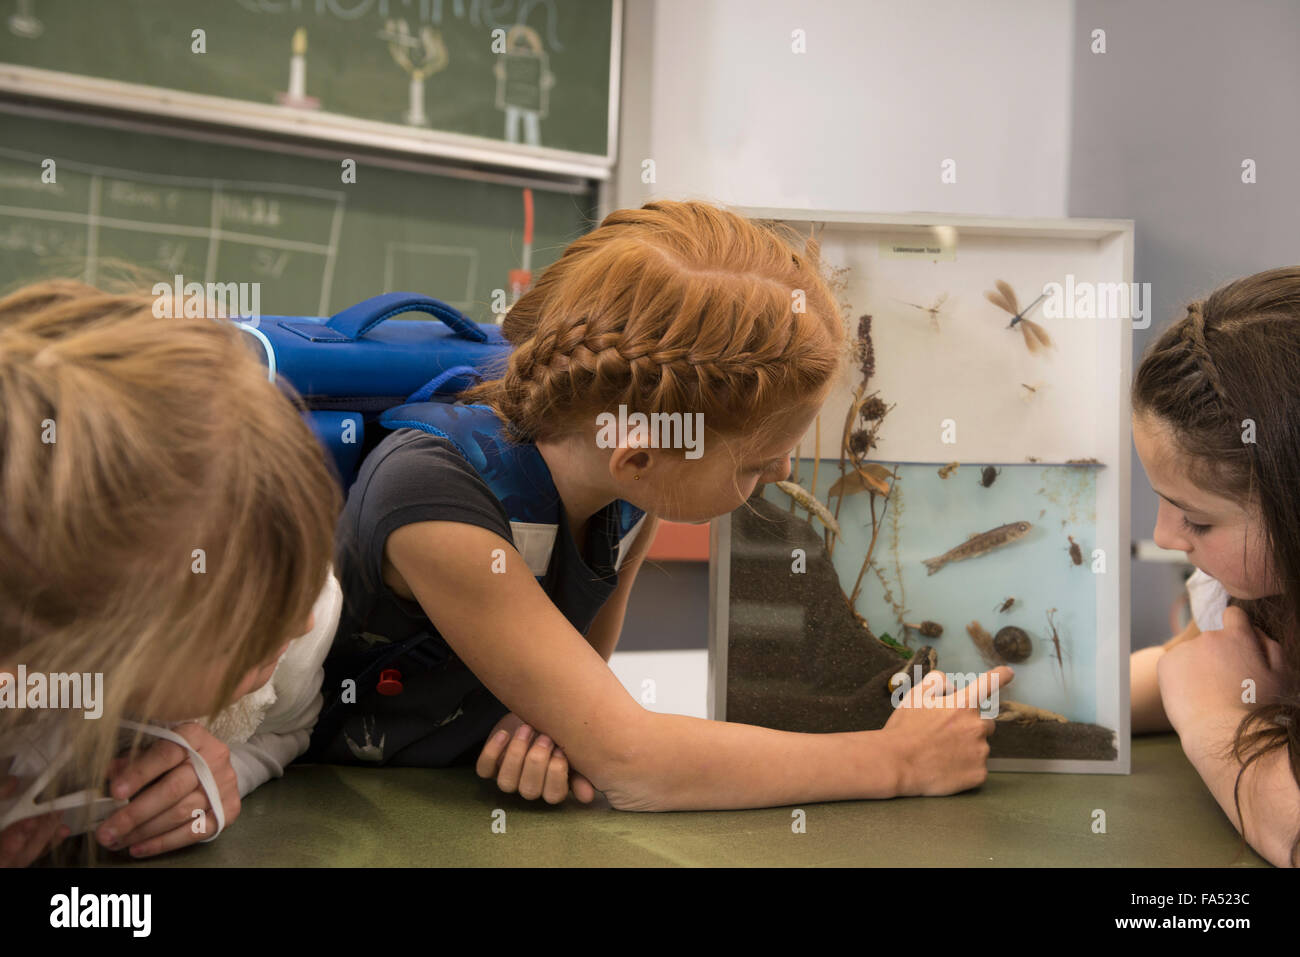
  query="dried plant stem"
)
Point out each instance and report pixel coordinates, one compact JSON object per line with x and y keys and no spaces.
{"x":798,"y":454}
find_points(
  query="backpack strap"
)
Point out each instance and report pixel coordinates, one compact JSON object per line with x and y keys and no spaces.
{"x":515,"y":472}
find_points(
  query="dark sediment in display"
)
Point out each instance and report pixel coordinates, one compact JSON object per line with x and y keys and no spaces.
{"x":799,"y":660}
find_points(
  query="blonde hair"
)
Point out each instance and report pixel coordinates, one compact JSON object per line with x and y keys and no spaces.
{"x":128,"y":442}
{"x":676,"y":307}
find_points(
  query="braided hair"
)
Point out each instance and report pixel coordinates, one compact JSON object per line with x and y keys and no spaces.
{"x":676,"y":307}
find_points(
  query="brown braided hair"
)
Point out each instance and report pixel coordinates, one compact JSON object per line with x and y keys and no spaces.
{"x":676,"y":307}
{"x":1233,"y":357}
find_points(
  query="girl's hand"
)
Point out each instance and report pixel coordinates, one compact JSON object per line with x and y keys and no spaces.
{"x":941,"y":738}
{"x":533,"y":772}
{"x":161,"y":817}
{"x":24,"y":841}
{"x":1201,"y":679}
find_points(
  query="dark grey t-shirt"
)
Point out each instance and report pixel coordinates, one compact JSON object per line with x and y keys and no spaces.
{"x":443,"y":713}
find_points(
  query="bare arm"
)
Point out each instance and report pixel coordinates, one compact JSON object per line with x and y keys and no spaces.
{"x":608,"y":624}
{"x":510,"y":634}
{"x":1148,"y":713}
{"x":1270,"y":798}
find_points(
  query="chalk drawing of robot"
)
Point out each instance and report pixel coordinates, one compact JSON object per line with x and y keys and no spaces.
{"x":524,"y":83}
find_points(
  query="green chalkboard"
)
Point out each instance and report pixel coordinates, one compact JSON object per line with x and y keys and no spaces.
{"x":168,"y":206}
{"x":534,"y":74}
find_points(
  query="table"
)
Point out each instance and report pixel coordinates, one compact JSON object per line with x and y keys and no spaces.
{"x":318,"y":816}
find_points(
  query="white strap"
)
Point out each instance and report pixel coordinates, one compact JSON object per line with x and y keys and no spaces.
{"x":201,"y":769}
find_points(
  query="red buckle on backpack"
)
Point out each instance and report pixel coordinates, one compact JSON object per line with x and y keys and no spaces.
{"x":390,"y":682}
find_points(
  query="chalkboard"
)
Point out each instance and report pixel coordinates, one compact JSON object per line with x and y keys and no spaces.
{"x":170,"y":206}
{"x":524,"y":76}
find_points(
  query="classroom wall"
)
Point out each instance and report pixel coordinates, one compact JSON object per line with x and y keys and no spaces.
{"x":1185,"y":91}
{"x":886,"y":91}
{"x":712,"y":93}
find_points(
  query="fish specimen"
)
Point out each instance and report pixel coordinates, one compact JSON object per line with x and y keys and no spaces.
{"x":933,"y":310}
{"x":980,"y":544}
{"x":809,"y":501}
{"x":930,"y":629}
{"x":1004,"y":297}
{"x":989,"y":475}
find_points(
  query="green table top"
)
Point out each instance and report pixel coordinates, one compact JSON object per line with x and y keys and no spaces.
{"x":1161,"y":815}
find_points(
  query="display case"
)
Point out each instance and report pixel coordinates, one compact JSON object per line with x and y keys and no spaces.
{"x":962,"y":499}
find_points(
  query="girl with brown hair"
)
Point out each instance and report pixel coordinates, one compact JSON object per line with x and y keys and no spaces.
{"x":677,"y":308}
{"x":166,"y":521}
{"x":1216,"y":423}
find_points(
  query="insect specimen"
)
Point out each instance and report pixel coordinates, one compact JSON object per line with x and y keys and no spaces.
{"x":932,"y":310}
{"x":930,"y":629}
{"x":1056,"y":642}
{"x":1076,"y":554}
{"x":989,"y":475}
{"x":980,"y":544}
{"x":946,"y":470}
{"x":1004,"y":297}
{"x":1005,"y":606}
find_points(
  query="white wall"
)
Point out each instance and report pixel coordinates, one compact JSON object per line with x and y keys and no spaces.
{"x":885,"y":92}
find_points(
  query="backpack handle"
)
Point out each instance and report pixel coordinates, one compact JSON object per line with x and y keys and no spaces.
{"x":355,"y":321}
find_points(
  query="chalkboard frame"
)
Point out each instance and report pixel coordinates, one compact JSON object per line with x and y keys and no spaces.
{"x":229,"y":113}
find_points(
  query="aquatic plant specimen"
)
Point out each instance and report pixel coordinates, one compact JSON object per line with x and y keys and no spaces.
{"x":1004,"y":297}
{"x":980,"y":544}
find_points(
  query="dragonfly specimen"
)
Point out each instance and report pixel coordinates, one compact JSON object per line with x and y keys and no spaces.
{"x":932,"y":310}
{"x":1004,"y":297}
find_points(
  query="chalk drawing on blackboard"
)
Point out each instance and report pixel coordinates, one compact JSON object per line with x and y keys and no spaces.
{"x":296,"y":96}
{"x":419,"y":267}
{"x":524,"y":82}
{"x":421,"y":55}
{"x":192,"y":225}
{"x":24,"y":23}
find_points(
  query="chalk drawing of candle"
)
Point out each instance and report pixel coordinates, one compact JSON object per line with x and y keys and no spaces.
{"x":23,"y":23}
{"x":419,"y":55}
{"x":297,"y":93}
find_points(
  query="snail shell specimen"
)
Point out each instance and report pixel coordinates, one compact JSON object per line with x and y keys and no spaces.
{"x":1012,"y":644}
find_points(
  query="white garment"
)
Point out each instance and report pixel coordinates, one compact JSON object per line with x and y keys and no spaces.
{"x":1208,"y":600}
{"x":267,"y":728}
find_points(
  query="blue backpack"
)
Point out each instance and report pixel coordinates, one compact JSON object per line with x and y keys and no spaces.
{"x":362,"y":377}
